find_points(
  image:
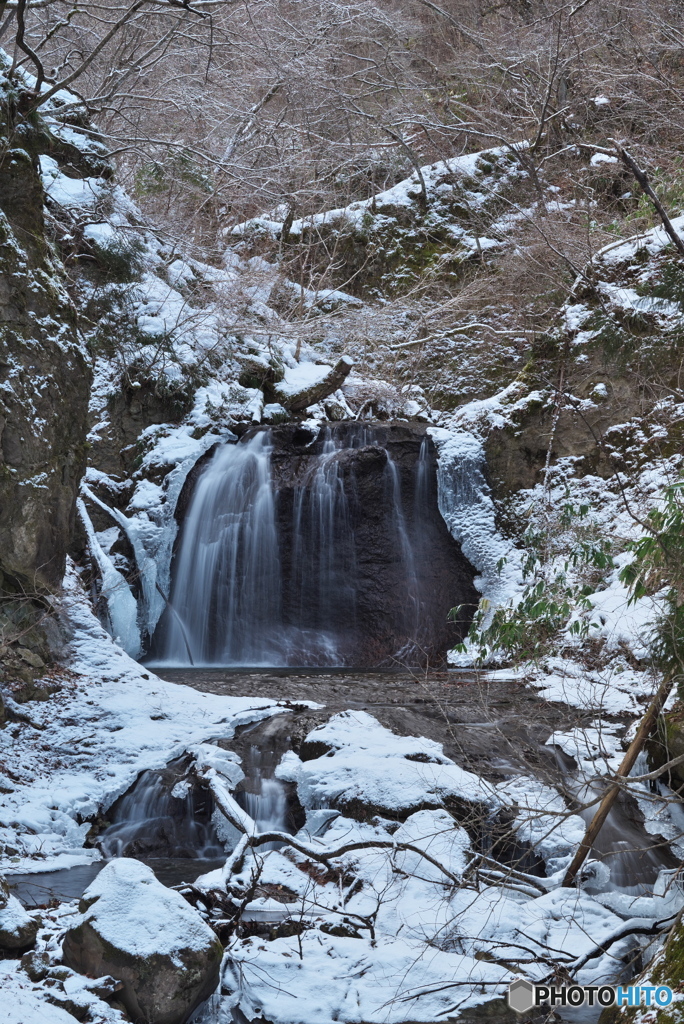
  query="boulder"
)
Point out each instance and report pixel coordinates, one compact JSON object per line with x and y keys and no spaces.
{"x":18,"y":929}
{"x":139,"y":932}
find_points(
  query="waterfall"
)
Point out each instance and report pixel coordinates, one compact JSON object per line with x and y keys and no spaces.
{"x":318,"y":556}
{"x":226,"y":587}
{"x":412,"y":609}
{"x":323,"y":556}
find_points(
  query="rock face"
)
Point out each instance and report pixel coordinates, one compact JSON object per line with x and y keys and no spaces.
{"x":145,"y":935}
{"x":317,"y":547}
{"x":44,"y":373}
{"x":18,"y":929}
{"x":407,"y":571}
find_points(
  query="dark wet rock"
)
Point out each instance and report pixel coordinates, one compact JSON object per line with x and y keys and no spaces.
{"x":36,"y":965}
{"x":139,"y":932}
{"x":44,"y":384}
{"x":380,"y":623}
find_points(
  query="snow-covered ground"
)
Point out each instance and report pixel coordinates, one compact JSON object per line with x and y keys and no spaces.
{"x":384,"y":933}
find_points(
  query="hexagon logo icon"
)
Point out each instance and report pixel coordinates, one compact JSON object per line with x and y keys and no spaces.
{"x":521,"y":996}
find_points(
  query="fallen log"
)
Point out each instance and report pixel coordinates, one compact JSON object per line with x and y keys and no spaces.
{"x":299,"y":389}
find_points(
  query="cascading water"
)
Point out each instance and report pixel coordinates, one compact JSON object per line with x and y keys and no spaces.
{"x":634,"y":856}
{"x":320,"y":556}
{"x":413,"y":611}
{"x":264,"y":797}
{"x":323,"y":556}
{"x":160,"y":817}
{"x":226,"y":588}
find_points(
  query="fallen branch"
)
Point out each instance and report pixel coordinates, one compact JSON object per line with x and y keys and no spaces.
{"x":635,"y":926}
{"x":628,"y":761}
{"x":644,"y":183}
{"x":323,"y":855}
{"x":240,"y":820}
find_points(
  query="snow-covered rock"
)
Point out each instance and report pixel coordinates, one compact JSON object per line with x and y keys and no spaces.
{"x":365,"y":769}
{"x":17,"y":928}
{"x":139,"y":932}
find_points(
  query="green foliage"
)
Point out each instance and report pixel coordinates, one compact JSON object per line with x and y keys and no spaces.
{"x":554,"y":602}
{"x":120,"y":258}
{"x":670,"y":286}
{"x":150,"y":179}
{"x":658,"y":566}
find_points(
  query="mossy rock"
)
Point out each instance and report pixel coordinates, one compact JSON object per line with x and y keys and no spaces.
{"x":666,"y":743}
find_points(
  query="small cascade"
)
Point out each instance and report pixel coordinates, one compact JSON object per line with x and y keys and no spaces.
{"x":160,"y":817}
{"x":306,"y":549}
{"x":634,"y":856}
{"x":263,"y":796}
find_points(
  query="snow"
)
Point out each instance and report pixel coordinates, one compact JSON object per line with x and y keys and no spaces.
{"x":654,"y":241}
{"x":113,"y":718}
{"x":138,"y":915}
{"x":434,"y":832}
{"x":13,"y":917}
{"x":621,"y":620}
{"x":567,"y":921}
{"x":429,"y":935}
{"x":103,"y":234}
{"x":467,"y":508}
{"x":302,"y":377}
{"x":343,"y":979}
{"x":23,"y":1005}
{"x":113,"y":721}
{"x":602,"y":158}
{"x":542,"y":819}
{"x":386,"y":210}
{"x":368,"y":763}
{"x":70,"y":192}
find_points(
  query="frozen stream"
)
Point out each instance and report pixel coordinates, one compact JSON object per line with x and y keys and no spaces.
{"x":490,"y":725}
{"x":465,"y":764}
